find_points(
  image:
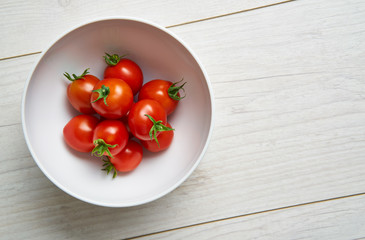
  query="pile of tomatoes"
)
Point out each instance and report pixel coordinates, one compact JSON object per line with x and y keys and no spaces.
{"x":111,"y":125}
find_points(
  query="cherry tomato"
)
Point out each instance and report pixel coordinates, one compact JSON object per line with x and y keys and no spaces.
{"x":164,"y":92}
{"x":164,"y":141}
{"x":112,"y":98}
{"x":127,"y":160}
{"x":124,"y":120}
{"x":126,"y":69}
{"x":79,"y":91}
{"x":110,"y":137}
{"x":146,"y":119}
{"x":78,"y":132}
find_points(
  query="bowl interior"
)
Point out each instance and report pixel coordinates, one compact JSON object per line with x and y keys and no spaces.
{"x":46,"y":111}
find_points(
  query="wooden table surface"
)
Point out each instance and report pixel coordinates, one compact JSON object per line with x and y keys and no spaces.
{"x":287,"y":155}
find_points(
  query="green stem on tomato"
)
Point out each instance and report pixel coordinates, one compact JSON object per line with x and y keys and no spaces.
{"x":74,"y":76}
{"x":101,"y":147}
{"x":114,"y":59}
{"x":174,"y":90}
{"x":103,"y":93}
{"x":157,"y":127}
{"x":108,"y":167}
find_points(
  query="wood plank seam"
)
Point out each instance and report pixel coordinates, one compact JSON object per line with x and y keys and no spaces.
{"x":228,"y":14}
{"x":22,"y":55}
{"x":249,"y":214}
{"x":181,"y":24}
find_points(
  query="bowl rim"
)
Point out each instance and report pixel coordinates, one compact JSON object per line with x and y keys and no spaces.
{"x":60,"y":185}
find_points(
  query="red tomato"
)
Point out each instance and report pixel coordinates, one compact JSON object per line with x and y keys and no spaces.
{"x":112,"y":98}
{"x":164,"y":92}
{"x":125,"y":69}
{"x":146,"y":119}
{"x":129,"y":158}
{"x":78,"y":132}
{"x":110,"y":137}
{"x":124,"y":120}
{"x":164,"y":141}
{"x":79,"y":91}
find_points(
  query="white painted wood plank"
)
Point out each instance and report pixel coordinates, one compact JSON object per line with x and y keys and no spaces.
{"x":289,"y":90}
{"x":336,"y":219}
{"x":13,"y":74}
{"x":30,"y":26}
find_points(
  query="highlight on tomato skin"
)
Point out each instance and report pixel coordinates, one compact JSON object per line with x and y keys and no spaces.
{"x":78,"y":132}
{"x":124,"y":120}
{"x":164,"y":141}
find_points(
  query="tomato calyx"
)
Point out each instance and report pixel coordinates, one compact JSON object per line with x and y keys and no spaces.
{"x":103,"y":93}
{"x":74,"y":76}
{"x":114,"y":59}
{"x":174,"y":90}
{"x":101,"y":147}
{"x":108,"y":167}
{"x":157,"y":127}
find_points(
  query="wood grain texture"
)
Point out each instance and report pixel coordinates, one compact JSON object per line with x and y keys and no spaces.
{"x":337,"y":219}
{"x":290,"y":123}
{"x":30,"y":26}
{"x":13,"y":74}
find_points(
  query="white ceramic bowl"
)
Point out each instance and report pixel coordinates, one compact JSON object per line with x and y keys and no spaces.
{"x":45,"y":111}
